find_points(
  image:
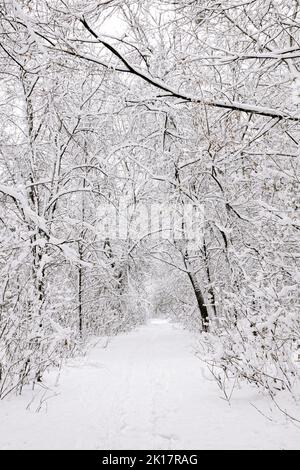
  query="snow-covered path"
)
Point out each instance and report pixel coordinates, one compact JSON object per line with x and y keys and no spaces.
{"x":145,"y":390}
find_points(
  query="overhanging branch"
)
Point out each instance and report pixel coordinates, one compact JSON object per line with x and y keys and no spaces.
{"x":232,"y":105}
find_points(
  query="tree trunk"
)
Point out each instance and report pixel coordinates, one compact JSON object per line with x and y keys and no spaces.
{"x":199,"y":296}
{"x":211,"y":292}
{"x":80,"y":291}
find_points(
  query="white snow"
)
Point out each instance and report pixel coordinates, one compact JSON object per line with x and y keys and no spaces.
{"x":142,"y":390}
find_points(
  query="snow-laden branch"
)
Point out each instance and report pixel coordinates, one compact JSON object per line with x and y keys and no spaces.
{"x":29,"y":214}
{"x":231,"y":105}
{"x":72,"y":191}
{"x":284,"y":54}
{"x":40,"y":223}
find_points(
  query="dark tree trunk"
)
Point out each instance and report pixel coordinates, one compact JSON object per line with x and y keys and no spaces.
{"x":201,"y":303}
{"x":199,"y":297}
{"x":80,"y":291}
{"x":211,"y":292}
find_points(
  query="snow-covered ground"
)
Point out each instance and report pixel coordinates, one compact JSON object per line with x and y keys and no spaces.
{"x":145,"y":390}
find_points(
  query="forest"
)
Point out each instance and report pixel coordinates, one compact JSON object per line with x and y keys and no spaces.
{"x":114,"y":110}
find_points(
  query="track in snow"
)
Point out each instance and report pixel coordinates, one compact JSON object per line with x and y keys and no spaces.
{"x":145,"y":390}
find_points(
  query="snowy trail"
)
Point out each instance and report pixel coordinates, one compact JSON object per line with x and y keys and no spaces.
{"x":146,"y":390}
